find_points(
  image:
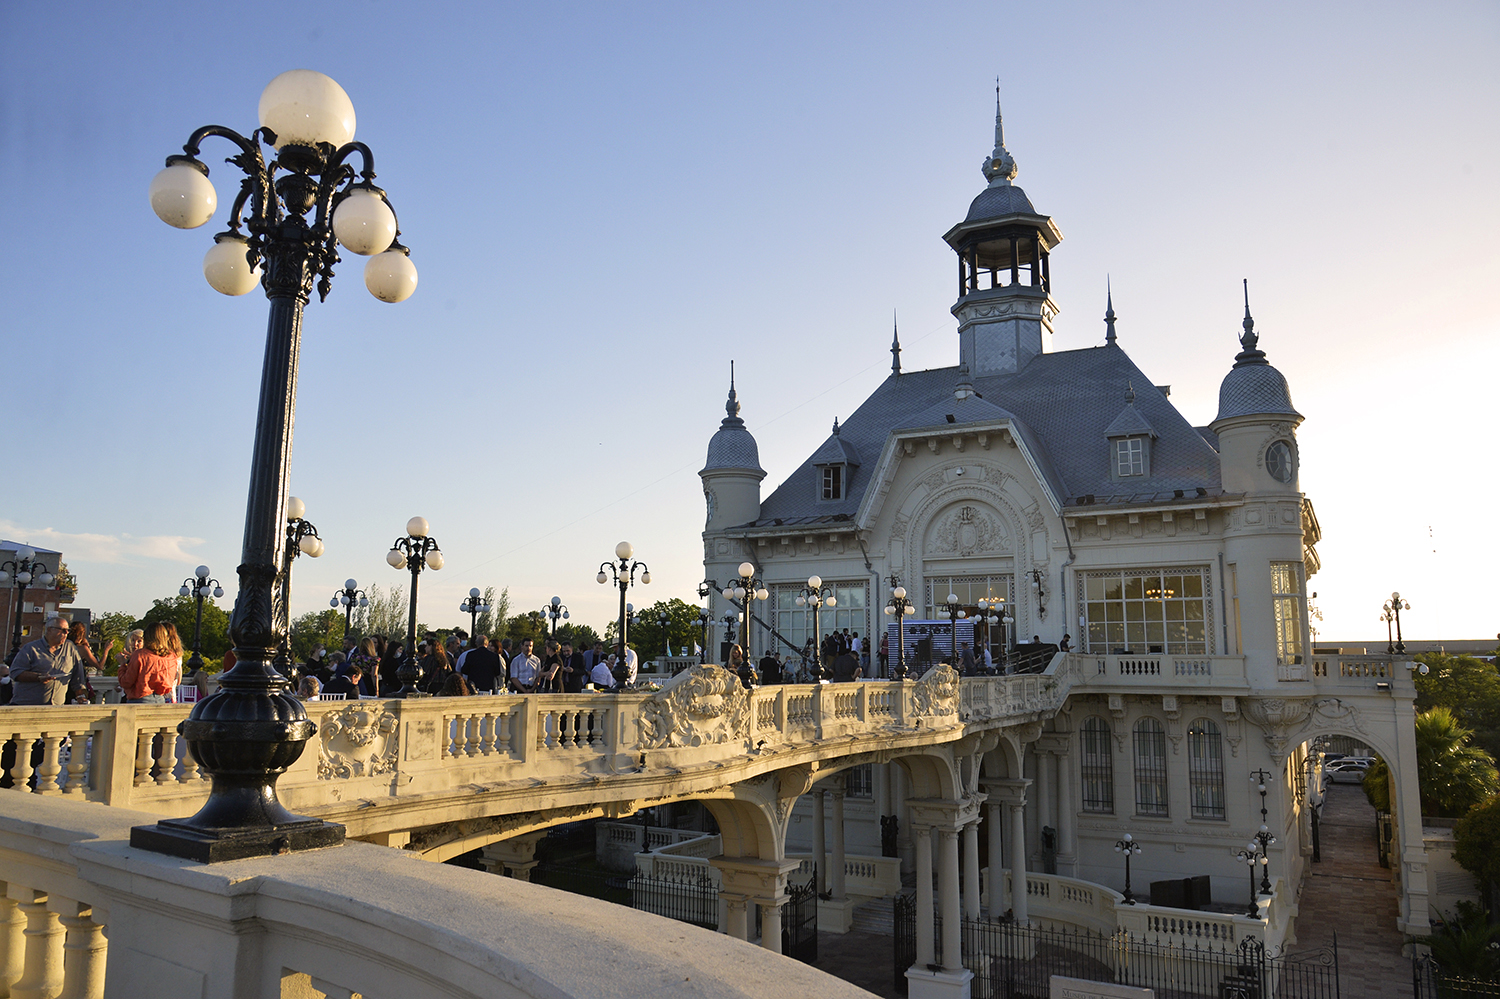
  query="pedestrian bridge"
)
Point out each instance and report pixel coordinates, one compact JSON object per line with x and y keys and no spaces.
{"x":443,"y":776}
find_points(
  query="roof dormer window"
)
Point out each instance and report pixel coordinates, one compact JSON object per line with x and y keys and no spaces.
{"x":1130,"y":457}
{"x":1130,"y":437}
{"x":833,"y":482}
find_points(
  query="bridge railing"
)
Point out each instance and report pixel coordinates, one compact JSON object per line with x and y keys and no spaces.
{"x":1152,"y":669}
{"x":129,"y":755}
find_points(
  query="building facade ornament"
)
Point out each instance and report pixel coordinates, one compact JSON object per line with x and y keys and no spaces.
{"x":936,"y":694}
{"x":1275,"y":716}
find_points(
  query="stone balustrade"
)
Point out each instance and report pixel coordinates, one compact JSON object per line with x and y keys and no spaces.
{"x":1142,"y":669}
{"x":359,"y":919}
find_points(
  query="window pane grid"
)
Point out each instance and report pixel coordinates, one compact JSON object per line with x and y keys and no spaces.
{"x":859,"y":782}
{"x":1206,"y":770}
{"x":795,"y":623}
{"x":1098,"y":767}
{"x":1147,"y":611}
{"x":1286,"y":603}
{"x":1150,"y":768}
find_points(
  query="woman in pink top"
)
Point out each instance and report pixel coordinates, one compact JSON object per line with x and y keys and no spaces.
{"x":147,"y":677}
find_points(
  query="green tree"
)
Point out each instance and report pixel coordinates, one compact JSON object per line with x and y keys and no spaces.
{"x":1476,"y":839}
{"x":386,"y":614}
{"x":525,"y":626}
{"x":581,"y":635}
{"x":492,"y":621}
{"x":112,"y":626}
{"x":182,"y":612}
{"x":1466,"y":945}
{"x":1453,"y":775}
{"x":1468,"y":687}
{"x":649,"y":638}
{"x":315,"y":628}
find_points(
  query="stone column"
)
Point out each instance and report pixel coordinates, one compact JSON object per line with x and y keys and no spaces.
{"x":836,"y":865}
{"x":1067,"y":817}
{"x":1042,"y":796}
{"x":515,"y":856}
{"x":953,"y":929}
{"x":1018,"y":860}
{"x":820,"y":841}
{"x":994,"y":821}
{"x":751,"y":881}
{"x":971,"y":869}
{"x":84,"y":953}
{"x":43,"y":975}
{"x":770,"y":926}
{"x":737,"y":926}
{"x":922,"y":841}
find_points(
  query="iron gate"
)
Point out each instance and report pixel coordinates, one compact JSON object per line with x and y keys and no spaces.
{"x":799,"y":921}
{"x":1430,"y":981}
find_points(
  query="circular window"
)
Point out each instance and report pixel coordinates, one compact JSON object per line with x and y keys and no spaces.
{"x":1279,"y":461}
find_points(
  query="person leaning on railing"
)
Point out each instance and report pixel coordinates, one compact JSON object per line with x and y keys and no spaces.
{"x":148,"y":676}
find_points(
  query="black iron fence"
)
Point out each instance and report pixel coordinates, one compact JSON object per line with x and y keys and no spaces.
{"x":1010,"y":961}
{"x":1430,"y":981}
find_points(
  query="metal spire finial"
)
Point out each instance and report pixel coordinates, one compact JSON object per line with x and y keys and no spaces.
{"x":835,"y":426}
{"x":732,"y":407}
{"x":1130,"y":392}
{"x":1000,"y":166}
{"x":895,"y":344}
{"x":1109,"y":312}
{"x":1249,"y":352}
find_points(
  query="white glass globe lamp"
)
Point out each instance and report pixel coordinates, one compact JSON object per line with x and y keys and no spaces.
{"x":182,"y":196}
{"x":227,"y":269}
{"x":391,"y":276}
{"x":434,"y":559}
{"x":295,"y":508}
{"x":417,"y":527}
{"x":364,"y":223}
{"x":304,"y":107}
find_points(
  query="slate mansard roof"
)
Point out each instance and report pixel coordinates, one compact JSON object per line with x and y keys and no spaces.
{"x":1060,"y":407}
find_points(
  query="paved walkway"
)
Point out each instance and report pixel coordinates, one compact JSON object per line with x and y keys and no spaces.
{"x":1350,"y":894}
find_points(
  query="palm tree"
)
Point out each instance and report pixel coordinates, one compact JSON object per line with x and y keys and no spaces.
{"x":1453,"y":775}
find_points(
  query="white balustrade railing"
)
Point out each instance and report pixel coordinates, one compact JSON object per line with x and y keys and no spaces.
{"x":358,"y":919}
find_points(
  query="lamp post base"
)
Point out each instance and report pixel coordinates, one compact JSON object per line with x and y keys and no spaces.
{"x":211,"y":846}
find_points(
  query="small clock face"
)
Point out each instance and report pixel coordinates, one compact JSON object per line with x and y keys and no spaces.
{"x":1279,"y":461}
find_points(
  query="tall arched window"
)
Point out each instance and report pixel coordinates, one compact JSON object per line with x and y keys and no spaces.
{"x":1206,"y":769}
{"x":1098,"y":767}
{"x":1150,"y":768}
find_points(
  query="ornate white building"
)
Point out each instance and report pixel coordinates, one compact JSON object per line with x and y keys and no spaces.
{"x":1174,"y":558}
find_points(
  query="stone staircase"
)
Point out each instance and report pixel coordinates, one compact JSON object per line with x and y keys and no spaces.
{"x":876,"y":916}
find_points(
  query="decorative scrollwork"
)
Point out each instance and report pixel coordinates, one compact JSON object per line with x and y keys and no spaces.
{"x":701,"y":705}
{"x":358,"y":741}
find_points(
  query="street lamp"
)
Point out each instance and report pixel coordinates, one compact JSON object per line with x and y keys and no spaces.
{"x":954,"y":612}
{"x":743,"y":590}
{"x":900,"y":608}
{"x":705,"y":615}
{"x":1039,"y":587}
{"x":1129,"y":847}
{"x":624,"y":575}
{"x":350,"y":597}
{"x":415,"y":552}
{"x":473,"y":607}
{"x":199,"y":586}
{"x":817,"y":596}
{"x":662,"y":621}
{"x":247,"y":735}
{"x":1263,"y":836}
{"x":301,"y":538}
{"x":992,"y":612}
{"x":1393,"y":608}
{"x":23,"y":569}
{"x":553,"y":611}
{"x":1250,"y":857}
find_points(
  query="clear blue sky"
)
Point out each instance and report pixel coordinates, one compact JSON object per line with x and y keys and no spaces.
{"x":608,"y":202}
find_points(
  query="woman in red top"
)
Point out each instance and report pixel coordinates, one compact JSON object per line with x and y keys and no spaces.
{"x":147,"y":677}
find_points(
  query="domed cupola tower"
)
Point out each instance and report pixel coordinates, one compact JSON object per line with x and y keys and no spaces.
{"x":1005,"y":307}
{"x":731,"y":476}
{"x":1257,"y":423}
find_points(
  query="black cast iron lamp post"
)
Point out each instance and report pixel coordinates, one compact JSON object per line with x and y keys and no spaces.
{"x":301,"y":539}
{"x":553,"y":611}
{"x":624,"y":575}
{"x":474,"y":607}
{"x":990,"y":609}
{"x":954,"y":612}
{"x":416,"y":551}
{"x":1129,"y":847}
{"x":350,"y":597}
{"x":1250,"y":857}
{"x":1263,"y":836}
{"x":743,"y":590}
{"x":248,"y":732}
{"x":199,"y":586}
{"x":705,"y":615}
{"x":900,"y":608}
{"x":1393,"y":608}
{"x":817,"y":596}
{"x":24,"y":568}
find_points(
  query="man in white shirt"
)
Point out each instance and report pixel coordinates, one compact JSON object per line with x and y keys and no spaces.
{"x":523,"y":669}
{"x":601,"y":676}
{"x":632,"y":664}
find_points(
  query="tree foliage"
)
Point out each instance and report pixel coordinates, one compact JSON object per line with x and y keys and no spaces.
{"x":1466,"y":945}
{"x":182,"y":611}
{"x":386,"y":614}
{"x":649,"y":638}
{"x":1453,"y":775}
{"x":1477,"y":841}
{"x":1469,"y":688}
{"x":492,"y":621}
{"x":315,"y":628}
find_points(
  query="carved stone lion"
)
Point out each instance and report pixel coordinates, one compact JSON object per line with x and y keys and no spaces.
{"x":702,"y":705}
{"x":357,"y":741}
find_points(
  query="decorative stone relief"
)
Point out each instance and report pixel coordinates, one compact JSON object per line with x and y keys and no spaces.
{"x":936,"y":694}
{"x":357,"y":741}
{"x":1170,"y":708}
{"x":967,"y":531}
{"x":1275,"y":716}
{"x":702,"y":705}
